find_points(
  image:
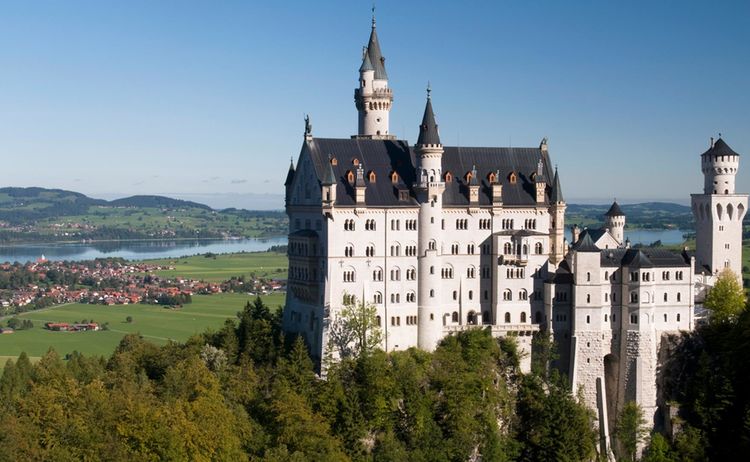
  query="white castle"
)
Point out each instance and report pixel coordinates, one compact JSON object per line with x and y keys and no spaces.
{"x":442,"y":239}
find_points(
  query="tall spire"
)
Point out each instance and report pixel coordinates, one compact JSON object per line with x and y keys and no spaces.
{"x":373,"y":51}
{"x":557,"y":195}
{"x":428,"y":130}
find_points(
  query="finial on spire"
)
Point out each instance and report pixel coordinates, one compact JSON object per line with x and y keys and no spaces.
{"x":308,"y":125}
{"x":373,"y":14}
{"x":429,"y":89}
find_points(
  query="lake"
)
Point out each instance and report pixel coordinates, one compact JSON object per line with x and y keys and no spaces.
{"x":147,"y":250}
{"x":134,"y":250}
{"x":649,"y":236}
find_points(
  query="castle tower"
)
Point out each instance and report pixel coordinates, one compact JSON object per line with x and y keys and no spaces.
{"x":614,"y":219}
{"x":429,"y":187}
{"x":373,"y":98}
{"x":719,"y":212}
{"x":557,"y":215}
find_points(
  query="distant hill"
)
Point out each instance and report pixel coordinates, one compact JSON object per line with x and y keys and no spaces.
{"x":647,"y":215}
{"x":156,"y":202}
{"x":43,"y":215}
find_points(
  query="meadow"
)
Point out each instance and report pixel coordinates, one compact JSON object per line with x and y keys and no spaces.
{"x":222,"y":267}
{"x":153,"y":322}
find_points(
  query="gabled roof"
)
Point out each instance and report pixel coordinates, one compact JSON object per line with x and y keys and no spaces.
{"x":645,"y":257}
{"x":614,"y":211}
{"x":428,"y":129}
{"x":585,"y":244}
{"x":595,"y":234}
{"x":720,"y":148}
{"x":376,"y":57}
{"x":556,"y":195}
{"x":386,"y":156}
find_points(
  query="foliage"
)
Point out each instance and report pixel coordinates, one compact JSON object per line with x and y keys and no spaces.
{"x":246,"y":393}
{"x":630,"y":429}
{"x":726,"y":299}
{"x":355,"y":330}
{"x":708,"y":381}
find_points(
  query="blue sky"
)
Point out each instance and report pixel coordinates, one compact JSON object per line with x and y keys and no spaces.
{"x":205,"y":100}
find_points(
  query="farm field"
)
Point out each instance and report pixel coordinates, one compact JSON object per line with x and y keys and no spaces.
{"x":222,"y":267}
{"x":155,"y":323}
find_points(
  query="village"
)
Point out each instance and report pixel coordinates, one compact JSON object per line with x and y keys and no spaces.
{"x":43,"y":283}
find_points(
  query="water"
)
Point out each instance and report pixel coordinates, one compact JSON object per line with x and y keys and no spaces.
{"x":649,"y":236}
{"x":133,"y":250}
{"x":146,"y":250}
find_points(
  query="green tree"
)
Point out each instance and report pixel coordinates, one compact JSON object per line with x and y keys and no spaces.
{"x":726,"y":299}
{"x":658,"y":450}
{"x":630,"y":429}
{"x":355,"y":329}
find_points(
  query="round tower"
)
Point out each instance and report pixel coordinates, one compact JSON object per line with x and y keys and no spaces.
{"x":614,"y":219}
{"x":719,"y":212}
{"x":373,"y":98}
{"x":719,"y":165}
{"x":429,"y":187}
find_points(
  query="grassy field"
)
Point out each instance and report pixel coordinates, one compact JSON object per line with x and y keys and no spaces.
{"x":154,"y":323}
{"x":223,"y":267}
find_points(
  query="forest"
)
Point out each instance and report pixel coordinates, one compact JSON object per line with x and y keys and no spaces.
{"x":247,"y":392}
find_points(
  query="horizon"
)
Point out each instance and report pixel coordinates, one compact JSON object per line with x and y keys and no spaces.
{"x":187,"y":102}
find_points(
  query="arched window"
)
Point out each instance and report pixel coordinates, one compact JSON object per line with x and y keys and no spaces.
{"x":454,"y":316}
{"x":538,"y":317}
{"x":448,"y":177}
{"x":491,"y":177}
{"x":507,"y":295}
{"x":432,"y":293}
{"x":523,"y":317}
{"x":371,"y":176}
{"x":523,"y":294}
{"x":512,"y":178}
{"x":588,"y":277}
{"x":377,"y":298}
{"x":394,"y":177}
{"x":588,"y":319}
{"x":507,"y":318}
{"x":633,"y":297}
{"x":588,"y":298}
{"x":679,"y":297}
{"x":538,"y":249}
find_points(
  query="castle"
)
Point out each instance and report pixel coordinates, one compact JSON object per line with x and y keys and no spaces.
{"x":444,"y":238}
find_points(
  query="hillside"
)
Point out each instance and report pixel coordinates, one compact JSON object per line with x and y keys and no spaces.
{"x":647,"y":215}
{"x":39,"y":214}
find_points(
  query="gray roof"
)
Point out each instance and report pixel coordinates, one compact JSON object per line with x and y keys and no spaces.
{"x":585,"y":244}
{"x":645,"y":257}
{"x":329,"y":176}
{"x":386,"y":156}
{"x":289,"y":175}
{"x":595,"y":234}
{"x":557,"y":195}
{"x":366,"y":63}
{"x":428,"y":129}
{"x":376,"y":57}
{"x":614,"y":211}
{"x":720,"y":148}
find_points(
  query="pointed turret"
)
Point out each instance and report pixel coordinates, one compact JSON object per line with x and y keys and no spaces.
{"x":372,"y":97}
{"x":366,"y":63}
{"x":614,"y":210}
{"x":428,"y":130}
{"x":614,"y":220}
{"x":290,"y":174}
{"x":329,"y":177}
{"x":376,"y":57}
{"x":557,"y":195}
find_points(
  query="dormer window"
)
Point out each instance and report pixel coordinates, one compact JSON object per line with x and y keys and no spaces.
{"x":468,"y":177}
{"x":448,"y":177}
{"x":371,"y":176}
{"x":532,"y":176}
{"x":512,"y":178}
{"x":394,"y":177}
{"x":334,"y":162}
{"x":350,"y":176}
{"x":492,"y":177}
